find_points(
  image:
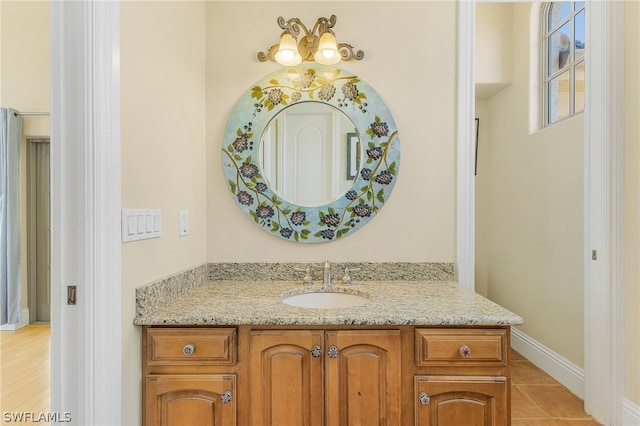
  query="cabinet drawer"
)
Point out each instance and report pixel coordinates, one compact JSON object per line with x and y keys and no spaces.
{"x":461,"y":347}
{"x":186,"y":346}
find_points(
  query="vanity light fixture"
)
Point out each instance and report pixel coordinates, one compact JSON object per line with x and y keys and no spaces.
{"x":319,"y":44}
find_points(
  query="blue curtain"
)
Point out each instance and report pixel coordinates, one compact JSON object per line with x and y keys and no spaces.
{"x":10,"y":135}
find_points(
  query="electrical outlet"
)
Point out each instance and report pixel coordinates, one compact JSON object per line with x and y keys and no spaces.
{"x":184,"y":223}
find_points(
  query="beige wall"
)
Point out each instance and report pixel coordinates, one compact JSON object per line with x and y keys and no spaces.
{"x":530,"y":208}
{"x":417,"y":81}
{"x":163,"y":154}
{"x":494,"y":48}
{"x":632,"y":203}
{"x":24,"y":85}
{"x":482,"y":200}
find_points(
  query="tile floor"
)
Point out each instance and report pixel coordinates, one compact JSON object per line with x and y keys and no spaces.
{"x":537,"y":399}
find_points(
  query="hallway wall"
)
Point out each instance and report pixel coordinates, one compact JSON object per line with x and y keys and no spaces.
{"x":531,"y":218}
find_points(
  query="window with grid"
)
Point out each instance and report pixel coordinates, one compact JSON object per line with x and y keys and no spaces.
{"x":564,"y":39}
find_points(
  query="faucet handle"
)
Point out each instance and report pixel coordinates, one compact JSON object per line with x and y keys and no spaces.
{"x":307,"y":279}
{"x":346,"y":278}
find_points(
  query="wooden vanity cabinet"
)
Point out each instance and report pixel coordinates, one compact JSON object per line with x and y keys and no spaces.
{"x":332,"y":377}
{"x":189,"y":376}
{"x":462,"y":377}
{"x":326,"y":376}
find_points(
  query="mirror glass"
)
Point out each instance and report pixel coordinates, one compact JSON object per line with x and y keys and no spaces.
{"x":337,"y":173}
{"x":310,"y":154}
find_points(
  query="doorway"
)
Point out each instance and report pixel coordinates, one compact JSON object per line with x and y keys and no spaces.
{"x":38,"y":230}
{"x":529,"y":192}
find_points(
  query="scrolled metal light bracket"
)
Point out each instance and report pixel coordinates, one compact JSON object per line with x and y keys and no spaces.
{"x":308,"y":44}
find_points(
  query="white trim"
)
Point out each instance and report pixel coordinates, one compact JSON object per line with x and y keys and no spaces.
{"x":604,"y":161}
{"x":465,"y":139}
{"x":86,"y":350}
{"x":630,"y":414}
{"x":564,"y":371}
{"x":24,"y":321}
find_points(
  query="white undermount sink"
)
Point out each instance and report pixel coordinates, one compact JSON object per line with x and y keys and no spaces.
{"x":325,"y":300}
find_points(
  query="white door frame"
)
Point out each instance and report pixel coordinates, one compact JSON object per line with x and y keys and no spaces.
{"x":86,"y":344}
{"x":603,"y":191}
{"x":85,"y":212}
{"x":465,"y":144}
{"x":603,"y":218}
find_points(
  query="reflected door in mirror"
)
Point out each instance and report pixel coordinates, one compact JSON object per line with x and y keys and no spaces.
{"x":304,"y":154}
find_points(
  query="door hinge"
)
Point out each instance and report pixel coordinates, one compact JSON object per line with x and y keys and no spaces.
{"x":71,"y":295}
{"x":594,"y":254}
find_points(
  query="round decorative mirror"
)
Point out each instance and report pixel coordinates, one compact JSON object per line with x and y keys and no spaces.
{"x":311,"y":153}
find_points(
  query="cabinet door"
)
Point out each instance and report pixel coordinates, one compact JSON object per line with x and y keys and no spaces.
{"x":461,"y":400}
{"x":189,"y":399}
{"x":363,"y":377}
{"x":285,"y":384}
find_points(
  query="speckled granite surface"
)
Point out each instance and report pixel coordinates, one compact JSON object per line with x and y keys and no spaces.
{"x":370,"y":271}
{"x":258,"y":302}
{"x":163,"y":291}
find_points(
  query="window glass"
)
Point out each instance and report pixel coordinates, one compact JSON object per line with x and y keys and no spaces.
{"x":579,"y":35}
{"x":559,"y":48}
{"x":558,"y":89}
{"x":558,"y":12}
{"x":563,"y":72}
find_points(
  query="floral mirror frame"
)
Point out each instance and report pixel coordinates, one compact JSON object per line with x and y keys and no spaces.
{"x":373,"y":184}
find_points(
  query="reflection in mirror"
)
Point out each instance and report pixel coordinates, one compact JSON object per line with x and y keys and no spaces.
{"x":309,"y":154}
{"x":362,"y":175}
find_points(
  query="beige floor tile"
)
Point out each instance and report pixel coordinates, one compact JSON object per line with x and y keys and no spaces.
{"x":524,"y":408}
{"x":556,"y":401}
{"x":524,"y":372}
{"x":516,"y":356}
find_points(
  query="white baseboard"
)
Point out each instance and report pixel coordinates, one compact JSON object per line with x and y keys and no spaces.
{"x":23,"y":322}
{"x":568,"y":374}
{"x":630,"y":414}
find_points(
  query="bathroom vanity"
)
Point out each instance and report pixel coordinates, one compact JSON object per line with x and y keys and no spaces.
{"x":416,"y":353}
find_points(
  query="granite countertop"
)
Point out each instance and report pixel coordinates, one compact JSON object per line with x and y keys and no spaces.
{"x":391,"y":303}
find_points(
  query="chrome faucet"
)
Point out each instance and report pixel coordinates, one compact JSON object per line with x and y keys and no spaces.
{"x":326,"y":273}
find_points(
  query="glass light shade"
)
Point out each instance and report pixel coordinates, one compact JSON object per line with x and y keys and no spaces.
{"x":287,"y":53}
{"x":327,"y":53}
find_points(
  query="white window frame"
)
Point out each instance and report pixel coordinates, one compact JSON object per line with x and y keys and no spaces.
{"x":569,"y":66}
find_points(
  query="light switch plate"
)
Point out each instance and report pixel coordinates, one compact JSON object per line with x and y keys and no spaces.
{"x":141,"y":224}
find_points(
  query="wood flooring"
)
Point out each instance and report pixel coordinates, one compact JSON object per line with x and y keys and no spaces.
{"x":536,"y":398}
{"x":24,"y":374}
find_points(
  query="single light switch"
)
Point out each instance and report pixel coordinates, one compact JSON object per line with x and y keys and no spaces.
{"x":156,"y":221}
{"x":141,"y":224}
{"x":132,"y":229}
